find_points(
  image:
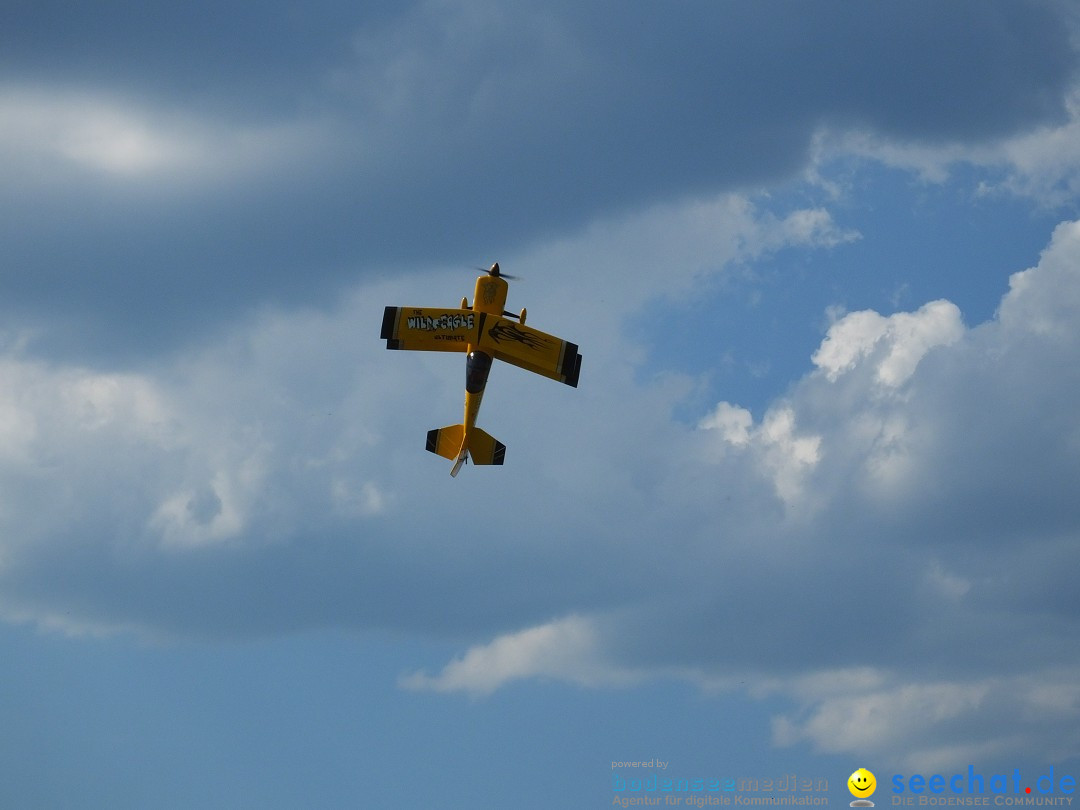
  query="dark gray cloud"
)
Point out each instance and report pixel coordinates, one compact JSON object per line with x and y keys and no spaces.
{"x":229,"y":56}
{"x":439,"y":132}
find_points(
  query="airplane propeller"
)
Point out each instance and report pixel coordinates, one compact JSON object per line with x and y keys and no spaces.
{"x":494,"y":271}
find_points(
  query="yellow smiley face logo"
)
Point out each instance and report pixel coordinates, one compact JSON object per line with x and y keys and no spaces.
{"x":862,"y":783}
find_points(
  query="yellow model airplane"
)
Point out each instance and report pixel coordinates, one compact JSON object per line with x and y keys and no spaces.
{"x":482,"y":331}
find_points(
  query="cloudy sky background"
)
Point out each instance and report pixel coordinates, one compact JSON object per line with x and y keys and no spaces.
{"x":812,"y":507}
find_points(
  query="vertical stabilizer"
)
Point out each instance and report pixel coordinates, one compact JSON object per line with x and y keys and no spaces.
{"x":457,"y":464}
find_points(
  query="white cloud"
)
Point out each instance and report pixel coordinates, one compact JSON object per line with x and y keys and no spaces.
{"x":565,"y":649}
{"x":781,"y":453}
{"x":935,"y":725}
{"x":868,"y":722}
{"x":789,"y":456}
{"x":360,"y":500}
{"x":1044,"y":164}
{"x":90,"y":133}
{"x":1041,"y":164}
{"x":902,"y":339}
{"x":945,"y":583}
{"x":44,"y":409}
{"x":1045,"y":299}
{"x":732,"y":423}
{"x":215,"y":511}
{"x":813,"y":226}
{"x":43,"y":131}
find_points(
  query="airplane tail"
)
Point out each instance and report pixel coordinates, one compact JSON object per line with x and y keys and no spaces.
{"x":451,"y":443}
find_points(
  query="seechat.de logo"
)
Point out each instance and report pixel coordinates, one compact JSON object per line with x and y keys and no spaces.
{"x":1004,"y":788}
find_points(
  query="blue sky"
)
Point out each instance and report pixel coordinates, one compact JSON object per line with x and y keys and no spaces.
{"x":811,"y":508}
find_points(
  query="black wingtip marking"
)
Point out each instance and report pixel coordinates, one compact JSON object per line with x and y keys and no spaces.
{"x":389,"y":323}
{"x":571,"y":364}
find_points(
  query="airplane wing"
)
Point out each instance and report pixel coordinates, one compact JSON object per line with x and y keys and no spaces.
{"x":455,"y":330}
{"x":430,"y":329}
{"x":530,"y":349}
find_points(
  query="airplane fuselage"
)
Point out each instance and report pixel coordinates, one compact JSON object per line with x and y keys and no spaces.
{"x":489,"y":297}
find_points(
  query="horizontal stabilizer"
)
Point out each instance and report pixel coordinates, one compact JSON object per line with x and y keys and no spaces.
{"x":450,"y":443}
{"x":485,"y":449}
{"x":446,"y":442}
